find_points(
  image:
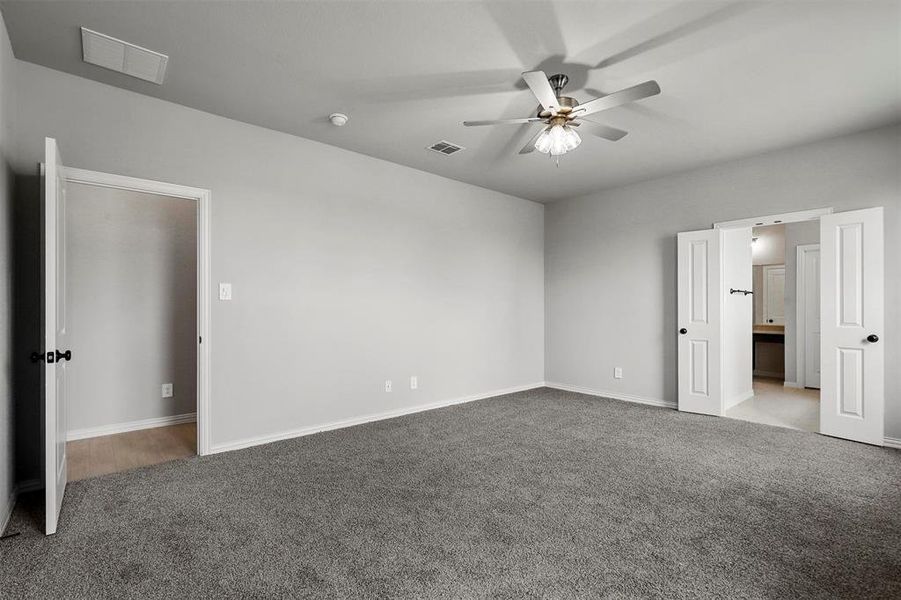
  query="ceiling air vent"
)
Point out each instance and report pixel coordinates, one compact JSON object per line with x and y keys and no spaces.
{"x":444,"y":147}
{"x":116,"y":55}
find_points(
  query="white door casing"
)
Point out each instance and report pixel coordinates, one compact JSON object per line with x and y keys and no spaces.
{"x":852,"y":304}
{"x":55,"y":334}
{"x":807,"y":340}
{"x":700,"y":308}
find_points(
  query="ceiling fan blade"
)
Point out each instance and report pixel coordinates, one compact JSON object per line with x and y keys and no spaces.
{"x":502,"y":122}
{"x":605,"y":131}
{"x":538,"y":83}
{"x":530,"y":145}
{"x":636,"y":92}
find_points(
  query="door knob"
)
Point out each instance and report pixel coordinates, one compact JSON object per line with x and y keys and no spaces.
{"x":683,"y":331}
{"x":872,"y":338}
{"x":61,"y":355}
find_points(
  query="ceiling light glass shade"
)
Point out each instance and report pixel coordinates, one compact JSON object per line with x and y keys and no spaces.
{"x":557,"y":140}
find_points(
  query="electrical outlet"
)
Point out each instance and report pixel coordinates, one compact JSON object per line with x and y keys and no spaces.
{"x":387,"y":385}
{"x":617,"y":372}
{"x":225,"y":291}
{"x":167,"y":390}
{"x":414,"y":382}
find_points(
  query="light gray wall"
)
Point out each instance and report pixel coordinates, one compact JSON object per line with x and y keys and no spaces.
{"x":769,"y":249}
{"x":132,"y":294}
{"x":347,"y":270}
{"x":7,"y":431}
{"x":611,"y":257}
{"x":797,"y":234}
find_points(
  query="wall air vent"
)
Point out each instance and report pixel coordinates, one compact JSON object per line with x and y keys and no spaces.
{"x":446,"y":148}
{"x":116,"y":55}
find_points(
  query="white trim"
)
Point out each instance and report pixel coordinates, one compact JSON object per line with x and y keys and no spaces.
{"x":90,"y":432}
{"x":612,"y":395}
{"x":204,"y":324}
{"x":890,"y":442}
{"x":7,"y":513}
{"x":792,"y":384}
{"x":790,"y":217}
{"x":738,"y":399}
{"x":390,"y":414}
{"x":800,"y":313}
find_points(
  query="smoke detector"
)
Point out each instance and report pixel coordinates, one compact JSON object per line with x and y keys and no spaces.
{"x":337,"y":119}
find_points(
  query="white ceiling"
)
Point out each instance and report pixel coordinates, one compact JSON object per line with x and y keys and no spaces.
{"x":737,"y":78}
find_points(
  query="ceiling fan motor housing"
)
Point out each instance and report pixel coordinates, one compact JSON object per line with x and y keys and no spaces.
{"x":558,"y":82}
{"x":564,"y":102}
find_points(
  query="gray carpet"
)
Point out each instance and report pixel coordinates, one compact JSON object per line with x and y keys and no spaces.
{"x":539,"y":494}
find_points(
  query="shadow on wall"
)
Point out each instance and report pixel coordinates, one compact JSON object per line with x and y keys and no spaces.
{"x":26,"y":325}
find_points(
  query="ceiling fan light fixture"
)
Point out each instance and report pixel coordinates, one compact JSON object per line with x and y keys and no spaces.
{"x":557,"y":140}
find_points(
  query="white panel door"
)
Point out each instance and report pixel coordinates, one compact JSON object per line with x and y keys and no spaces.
{"x":56,"y":355}
{"x":811,"y":312}
{"x":699,"y":264}
{"x":852,"y":305}
{"x":774,"y":294}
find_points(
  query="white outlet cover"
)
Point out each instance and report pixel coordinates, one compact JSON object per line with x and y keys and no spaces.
{"x":167,"y":390}
{"x":617,"y":372}
{"x":414,"y":382}
{"x":225,"y":291}
{"x":387,"y":385}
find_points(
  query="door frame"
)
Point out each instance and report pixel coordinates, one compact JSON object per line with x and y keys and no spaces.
{"x":813,"y":214}
{"x":203,"y":197}
{"x":801,"y":314}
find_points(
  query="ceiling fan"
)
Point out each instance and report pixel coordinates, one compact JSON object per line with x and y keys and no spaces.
{"x":560,"y":114}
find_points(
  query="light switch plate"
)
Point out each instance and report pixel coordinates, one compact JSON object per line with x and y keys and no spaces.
{"x":225,"y":291}
{"x":167,"y":390}
{"x":617,"y":372}
{"x":387,"y":385}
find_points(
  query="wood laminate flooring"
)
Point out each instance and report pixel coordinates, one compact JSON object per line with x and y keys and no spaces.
{"x":97,"y":456}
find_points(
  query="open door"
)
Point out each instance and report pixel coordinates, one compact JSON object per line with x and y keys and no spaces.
{"x":852,"y":307}
{"x":700,"y":321}
{"x":55,"y":334}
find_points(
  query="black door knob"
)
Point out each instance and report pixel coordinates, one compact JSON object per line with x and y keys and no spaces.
{"x":61,"y":355}
{"x":872,"y":338}
{"x":683,"y":331}
{"x":35,"y":357}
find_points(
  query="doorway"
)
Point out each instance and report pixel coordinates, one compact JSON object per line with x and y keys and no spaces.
{"x":131,"y":294}
{"x":834,"y":344}
{"x":784,"y":301}
{"x":146,"y":191}
{"x":56,"y":357}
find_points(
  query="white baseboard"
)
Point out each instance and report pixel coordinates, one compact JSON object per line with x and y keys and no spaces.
{"x":793,"y":384}
{"x":8,"y":510}
{"x":293,"y":433}
{"x":89,"y":432}
{"x":738,"y":399}
{"x":614,"y":395}
{"x":29,"y":485}
{"x":892,"y":443}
